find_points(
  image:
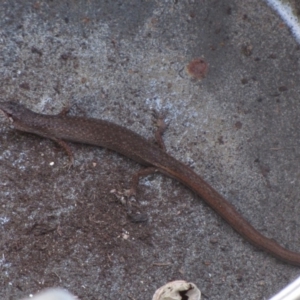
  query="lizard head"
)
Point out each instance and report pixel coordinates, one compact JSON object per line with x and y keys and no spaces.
{"x":17,"y":115}
{"x":12,"y":110}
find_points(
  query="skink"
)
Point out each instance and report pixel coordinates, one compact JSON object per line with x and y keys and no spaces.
{"x":62,"y":128}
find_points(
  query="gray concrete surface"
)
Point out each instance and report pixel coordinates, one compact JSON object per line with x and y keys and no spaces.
{"x":238,"y":128}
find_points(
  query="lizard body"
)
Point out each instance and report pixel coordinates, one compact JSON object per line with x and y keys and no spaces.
{"x":61,"y":128}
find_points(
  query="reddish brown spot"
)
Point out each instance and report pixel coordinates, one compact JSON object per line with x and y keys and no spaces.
{"x":238,"y":125}
{"x":25,"y":86}
{"x":37,"y":51}
{"x":282,"y":88}
{"x":85,"y":20}
{"x":221,"y":140}
{"x":37,"y":5}
{"x":197,"y":68}
{"x":282,"y":25}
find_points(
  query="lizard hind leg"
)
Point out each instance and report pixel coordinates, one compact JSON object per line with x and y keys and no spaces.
{"x":138,"y":217}
{"x":136,"y":177}
{"x":161,"y":126}
{"x":67,"y":149}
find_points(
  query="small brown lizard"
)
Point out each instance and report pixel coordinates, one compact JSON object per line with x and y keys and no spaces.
{"x":61,"y":128}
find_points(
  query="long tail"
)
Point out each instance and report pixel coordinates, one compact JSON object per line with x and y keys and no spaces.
{"x":227,"y":211}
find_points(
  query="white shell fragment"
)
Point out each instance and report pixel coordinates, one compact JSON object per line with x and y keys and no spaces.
{"x":178,"y":290}
{"x":53,"y":294}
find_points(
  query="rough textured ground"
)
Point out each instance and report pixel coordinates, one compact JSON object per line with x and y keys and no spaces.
{"x":238,"y":128}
